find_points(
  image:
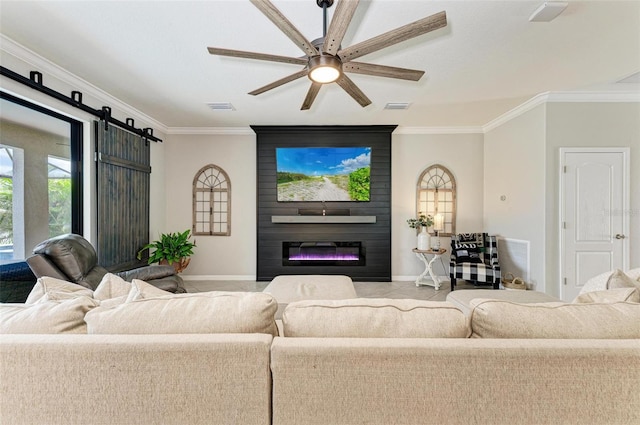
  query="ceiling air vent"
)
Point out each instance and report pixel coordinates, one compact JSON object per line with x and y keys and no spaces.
{"x":397,"y":105}
{"x":221,"y":106}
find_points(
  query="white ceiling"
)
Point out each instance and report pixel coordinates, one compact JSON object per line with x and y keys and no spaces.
{"x":489,"y":59}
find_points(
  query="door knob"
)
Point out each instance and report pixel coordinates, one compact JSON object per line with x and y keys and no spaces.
{"x":619,"y":236}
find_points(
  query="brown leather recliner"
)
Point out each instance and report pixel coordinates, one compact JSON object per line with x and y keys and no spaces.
{"x":72,"y":258}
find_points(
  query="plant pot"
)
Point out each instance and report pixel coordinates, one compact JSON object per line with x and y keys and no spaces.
{"x":178,"y":266}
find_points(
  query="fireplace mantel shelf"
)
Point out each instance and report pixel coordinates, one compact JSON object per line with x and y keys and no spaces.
{"x":323,"y":219}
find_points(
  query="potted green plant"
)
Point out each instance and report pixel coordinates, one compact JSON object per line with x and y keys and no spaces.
{"x":172,"y":248}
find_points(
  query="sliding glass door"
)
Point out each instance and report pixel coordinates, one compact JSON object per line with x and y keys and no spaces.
{"x":40,"y":176}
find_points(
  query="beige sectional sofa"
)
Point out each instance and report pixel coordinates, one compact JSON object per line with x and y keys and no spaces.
{"x":142,"y":357}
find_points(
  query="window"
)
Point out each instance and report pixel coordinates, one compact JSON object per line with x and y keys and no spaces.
{"x":436,"y":195}
{"x":211,"y":202}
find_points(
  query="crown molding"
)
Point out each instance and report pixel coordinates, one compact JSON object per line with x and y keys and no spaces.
{"x":516,"y":112}
{"x":438,"y":130}
{"x":562,"y":97}
{"x":249,"y":131}
{"x":48,"y":68}
{"x":226,"y":131}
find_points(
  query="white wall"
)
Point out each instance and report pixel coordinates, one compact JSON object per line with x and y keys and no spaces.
{"x":462,"y":154}
{"x":522,"y":162}
{"x":221,"y":257}
{"x":514,"y":168}
{"x":591,"y":125}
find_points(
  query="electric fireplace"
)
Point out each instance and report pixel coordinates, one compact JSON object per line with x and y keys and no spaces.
{"x":323,"y":254}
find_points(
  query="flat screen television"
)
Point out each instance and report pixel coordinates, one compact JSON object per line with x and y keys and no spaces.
{"x":308,"y":174}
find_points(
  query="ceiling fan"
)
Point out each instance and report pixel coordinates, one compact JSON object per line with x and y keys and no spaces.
{"x":326,"y":61}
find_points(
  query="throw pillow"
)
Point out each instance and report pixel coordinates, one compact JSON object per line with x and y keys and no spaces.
{"x":555,"y":320}
{"x":203,"y":312}
{"x":374,"y":318}
{"x":469,"y":248}
{"x":141,"y":290}
{"x":619,"y":279}
{"x":111,"y":286}
{"x":48,"y":316}
{"x":600,"y":282}
{"x":467,"y":252}
{"x":45,"y":285}
{"x":609,"y":296}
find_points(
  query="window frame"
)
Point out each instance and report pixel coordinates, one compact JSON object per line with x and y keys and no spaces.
{"x":221,"y":185}
{"x":433,"y":181}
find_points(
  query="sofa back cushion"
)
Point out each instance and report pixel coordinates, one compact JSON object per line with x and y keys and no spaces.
{"x":205,"y":312}
{"x":504,"y":319}
{"x":374,"y":318}
{"x":112,"y":286}
{"x":53,"y":313}
{"x":609,"y":296}
{"x":48,"y":285}
{"x":619,"y":279}
{"x":613,"y":279}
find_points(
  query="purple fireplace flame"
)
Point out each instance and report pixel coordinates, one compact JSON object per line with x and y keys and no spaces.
{"x":327,"y":257}
{"x":322,"y":253}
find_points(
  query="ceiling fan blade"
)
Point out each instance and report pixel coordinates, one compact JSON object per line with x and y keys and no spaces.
{"x":311,"y":96}
{"x":353,"y":90}
{"x":260,"y":56}
{"x":280,"y":82}
{"x":406,"y":32}
{"x":382,"y":71}
{"x":271,"y":12}
{"x":339,"y":24}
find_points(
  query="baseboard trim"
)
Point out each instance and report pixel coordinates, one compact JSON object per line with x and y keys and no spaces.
{"x":404,"y":278}
{"x":193,"y":277}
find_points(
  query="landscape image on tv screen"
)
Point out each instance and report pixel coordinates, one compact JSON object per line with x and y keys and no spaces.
{"x":323,"y":174}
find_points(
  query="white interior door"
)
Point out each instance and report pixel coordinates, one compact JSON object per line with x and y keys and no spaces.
{"x":594,"y":197}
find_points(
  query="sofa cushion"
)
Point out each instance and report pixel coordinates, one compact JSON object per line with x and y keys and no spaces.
{"x":46,"y":285}
{"x":111,"y":286}
{"x":504,"y":319}
{"x":609,"y":296}
{"x":141,"y":290}
{"x":205,"y":312}
{"x":461,"y":298}
{"x":619,"y":279}
{"x":49,"y":315}
{"x":601,"y":281}
{"x":374,"y":318}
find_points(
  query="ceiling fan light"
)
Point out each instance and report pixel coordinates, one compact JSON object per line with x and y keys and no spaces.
{"x":324,"y":69}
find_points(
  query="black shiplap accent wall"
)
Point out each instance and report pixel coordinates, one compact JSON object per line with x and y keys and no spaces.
{"x":375,"y":237}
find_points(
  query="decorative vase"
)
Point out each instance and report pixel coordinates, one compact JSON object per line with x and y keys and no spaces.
{"x":423,"y":239}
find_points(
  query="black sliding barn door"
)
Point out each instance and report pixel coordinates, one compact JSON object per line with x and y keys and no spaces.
{"x":123,"y":178}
